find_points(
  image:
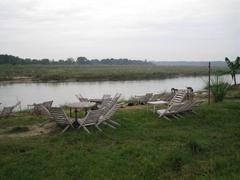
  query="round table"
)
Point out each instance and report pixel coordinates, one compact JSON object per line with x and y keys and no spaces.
{"x":80,"y":105}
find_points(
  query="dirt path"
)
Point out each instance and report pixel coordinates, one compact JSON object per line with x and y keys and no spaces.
{"x":34,"y":130}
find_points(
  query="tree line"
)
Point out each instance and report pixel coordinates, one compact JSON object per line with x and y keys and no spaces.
{"x":14,"y":60}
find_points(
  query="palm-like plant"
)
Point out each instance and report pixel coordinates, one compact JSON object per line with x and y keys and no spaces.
{"x":233,"y":66}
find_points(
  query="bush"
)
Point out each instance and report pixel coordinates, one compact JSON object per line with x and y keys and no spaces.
{"x":219,"y":88}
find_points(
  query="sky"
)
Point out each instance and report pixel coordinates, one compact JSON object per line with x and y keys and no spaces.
{"x":135,"y":29}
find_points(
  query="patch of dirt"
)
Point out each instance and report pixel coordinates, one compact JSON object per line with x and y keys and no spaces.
{"x":34,"y":130}
{"x":134,"y":107}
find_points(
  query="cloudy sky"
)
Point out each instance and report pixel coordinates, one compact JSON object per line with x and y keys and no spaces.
{"x":135,"y":29}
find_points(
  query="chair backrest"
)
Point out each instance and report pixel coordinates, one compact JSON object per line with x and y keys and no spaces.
{"x":47,"y":104}
{"x":37,"y":109}
{"x":108,"y":114}
{"x":106,"y":96}
{"x":81,"y":98}
{"x":7,"y":111}
{"x":93,"y":116}
{"x":59,"y":115}
{"x":178,"y":97}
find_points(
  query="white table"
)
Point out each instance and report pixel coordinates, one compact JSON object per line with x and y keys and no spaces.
{"x":80,"y":105}
{"x":155,"y":103}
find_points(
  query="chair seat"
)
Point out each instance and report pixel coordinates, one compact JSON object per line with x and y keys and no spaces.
{"x":161,"y":111}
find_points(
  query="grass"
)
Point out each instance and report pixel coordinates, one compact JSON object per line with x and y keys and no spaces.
{"x":202,"y":146}
{"x":97,"y":72}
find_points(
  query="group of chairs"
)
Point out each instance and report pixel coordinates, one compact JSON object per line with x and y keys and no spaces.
{"x":9,"y":110}
{"x":149,"y":97}
{"x":102,"y":115}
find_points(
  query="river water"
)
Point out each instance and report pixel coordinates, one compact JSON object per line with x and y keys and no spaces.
{"x":61,"y":93}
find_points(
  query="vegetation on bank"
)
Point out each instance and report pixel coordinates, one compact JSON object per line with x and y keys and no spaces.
{"x":9,"y":59}
{"x":98,"y":72}
{"x":204,"y":146}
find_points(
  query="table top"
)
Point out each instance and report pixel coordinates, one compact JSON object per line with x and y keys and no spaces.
{"x":81,"y":104}
{"x":157,"y":102}
{"x":96,"y":100}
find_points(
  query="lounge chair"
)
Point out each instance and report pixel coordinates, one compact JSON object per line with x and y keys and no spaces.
{"x":81,"y":98}
{"x":105,"y":100}
{"x":8,"y":111}
{"x":108,"y":112}
{"x":90,"y":119}
{"x":170,"y":111}
{"x":38,"y":110}
{"x":178,"y":97}
{"x":60,"y":117}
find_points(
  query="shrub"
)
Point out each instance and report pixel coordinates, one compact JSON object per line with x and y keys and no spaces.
{"x":219,"y":88}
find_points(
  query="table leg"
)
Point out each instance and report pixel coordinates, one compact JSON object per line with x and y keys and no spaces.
{"x":70,"y":112}
{"x":154,"y":108}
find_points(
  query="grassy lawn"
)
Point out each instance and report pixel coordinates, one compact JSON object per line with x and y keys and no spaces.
{"x":202,"y":146}
{"x":97,"y":72}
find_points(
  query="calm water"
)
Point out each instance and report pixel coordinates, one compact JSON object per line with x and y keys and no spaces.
{"x":61,"y":93}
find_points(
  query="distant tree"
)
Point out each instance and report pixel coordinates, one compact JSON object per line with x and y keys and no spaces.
{"x":45,"y":61}
{"x":82,"y":60}
{"x":233,"y":67}
{"x":69,"y":61}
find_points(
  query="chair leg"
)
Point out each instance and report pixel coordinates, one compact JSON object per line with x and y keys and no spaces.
{"x":167,"y":118}
{"x":179,"y":115}
{"x":45,"y":122}
{"x":86,"y":129}
{"x":109,"y":125}
{"x":98,"y":128}
{"x":114,"y":122}
{"x":175,"y":116}
{"x":65,"y":129}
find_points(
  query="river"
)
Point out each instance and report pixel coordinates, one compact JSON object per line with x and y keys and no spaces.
{"x":61,"y":93}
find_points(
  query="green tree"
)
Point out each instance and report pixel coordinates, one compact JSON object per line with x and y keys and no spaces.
{"x":233,"y":67}
{"x":82,"y":60}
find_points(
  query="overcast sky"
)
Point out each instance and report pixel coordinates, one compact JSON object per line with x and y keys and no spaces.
{"x":135,"y":29}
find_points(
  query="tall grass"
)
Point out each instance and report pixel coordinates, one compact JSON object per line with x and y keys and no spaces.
{"x":219,"y":88}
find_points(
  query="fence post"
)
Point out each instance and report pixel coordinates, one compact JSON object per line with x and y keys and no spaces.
{"x":209,"y":79}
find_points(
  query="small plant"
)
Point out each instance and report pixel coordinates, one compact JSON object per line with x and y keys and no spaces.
{"x":219,"y":88}
{"x":195,"y":147}
{"x":177,"y":164}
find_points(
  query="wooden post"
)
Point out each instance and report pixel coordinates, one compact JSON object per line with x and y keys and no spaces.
{"x":209,"y":79}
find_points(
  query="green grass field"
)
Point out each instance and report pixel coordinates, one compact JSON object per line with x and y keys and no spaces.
{"x":94,"y":72}
{"x":202,"y":146}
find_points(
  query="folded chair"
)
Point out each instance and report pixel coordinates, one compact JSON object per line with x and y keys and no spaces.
{"x":81,"y":98}
{"x":37,"y":109}
{"x":170,"y":111}
{"x":90,"y":119}
{"x":8,"y":111}
{"x":60,"y":117}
